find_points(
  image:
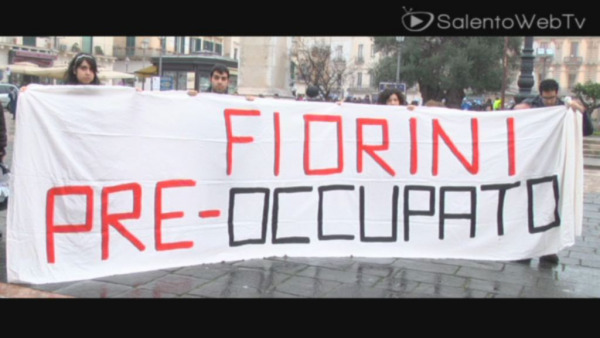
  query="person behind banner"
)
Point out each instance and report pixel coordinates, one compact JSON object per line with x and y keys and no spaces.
{"x":392,"y":97}
{"x":219,"y":80}
{"x":82,"y":70}
{"x":548,"y":97}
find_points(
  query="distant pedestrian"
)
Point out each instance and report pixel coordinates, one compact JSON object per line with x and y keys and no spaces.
{"x":488,"y":106}
{"x":497,"y":104}
{"x":434,"y":103}
{"x":12,"y":104}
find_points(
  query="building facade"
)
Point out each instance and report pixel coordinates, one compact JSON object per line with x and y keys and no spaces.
{"x":50,"y":51}
{"x":183,"y":60}
{"x":127,"y":54}
{"x":568,"y":60}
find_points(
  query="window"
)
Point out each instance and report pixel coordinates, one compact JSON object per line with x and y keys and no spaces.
{"x":29,"y":41}
{"x":204,"y":82}
{"x":130,"y":46}
{"x":360,"y":51}
{"x":339,"y":51}
{"x":177,"y":42}
{"x":208,"y":46}
{"x":218,"y":48}
{"x":359,"y":80}
{"x":235,"y":53}
{"x":87,"y":44}
{"x":574,"y":48}
{"x":572,"y":80}
{"x":179,"y":45}
{"x":196,"y":45}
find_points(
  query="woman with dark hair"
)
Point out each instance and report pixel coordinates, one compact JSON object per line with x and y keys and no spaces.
{"x":83,"y":70}
{"x":392,"y":97}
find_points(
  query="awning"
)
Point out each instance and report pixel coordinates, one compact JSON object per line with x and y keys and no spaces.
{"x":51,"y":72}
{"x":26,"y":68}
{"x":111,"y":74}
{"x":147,"y":72}
{"x":59,"y":72}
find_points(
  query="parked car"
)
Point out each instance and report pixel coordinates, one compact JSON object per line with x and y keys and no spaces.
{"x":4,"y":91}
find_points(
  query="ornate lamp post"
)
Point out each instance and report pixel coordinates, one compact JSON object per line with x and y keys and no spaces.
{"x":399,"y":39}
{"x":145,"y":44}
{"x":162,"y":47}
{"x":526,"y":80}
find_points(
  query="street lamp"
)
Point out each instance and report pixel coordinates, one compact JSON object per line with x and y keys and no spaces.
{"x":145,"y":44}
{"x":340,"y":67}
{"x":162,"y":47}
{"x":526,"y":81}
{"x":399,"y":39}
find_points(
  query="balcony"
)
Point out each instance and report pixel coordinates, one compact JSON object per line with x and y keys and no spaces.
{"x":135,"y":53}
{"x":573,"y":61}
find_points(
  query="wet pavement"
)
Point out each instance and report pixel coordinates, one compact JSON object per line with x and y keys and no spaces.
{"x":575,"y":276}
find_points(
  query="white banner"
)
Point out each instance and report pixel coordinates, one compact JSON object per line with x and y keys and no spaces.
{"x":107,"y":180}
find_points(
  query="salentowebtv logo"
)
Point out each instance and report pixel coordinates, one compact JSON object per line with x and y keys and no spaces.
{"x":420,"y":21}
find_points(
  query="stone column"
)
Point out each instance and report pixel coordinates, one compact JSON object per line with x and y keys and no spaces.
{"x":264,"y":67}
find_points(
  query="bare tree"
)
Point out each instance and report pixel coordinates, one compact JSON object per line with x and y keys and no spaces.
{"x":316,"y":66}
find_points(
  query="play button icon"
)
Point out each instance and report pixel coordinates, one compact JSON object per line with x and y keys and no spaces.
{"x":417,"y":21}
{"x":414,"y":21}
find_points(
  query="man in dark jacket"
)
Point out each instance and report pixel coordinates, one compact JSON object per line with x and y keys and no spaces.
{"x":549,"y":97}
